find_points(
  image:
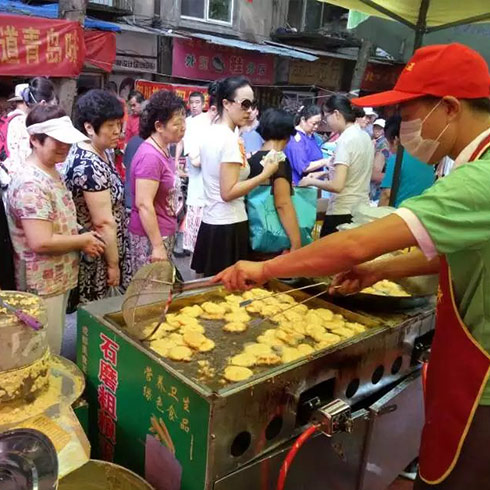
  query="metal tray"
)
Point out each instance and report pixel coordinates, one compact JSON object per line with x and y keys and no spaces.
{"x":229,"y":344}
{"x":421,"y":289}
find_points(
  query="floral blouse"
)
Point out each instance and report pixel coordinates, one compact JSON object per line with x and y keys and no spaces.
{"x":34,"y":194}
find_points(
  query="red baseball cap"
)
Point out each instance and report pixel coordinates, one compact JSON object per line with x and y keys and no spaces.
{"x":438,"y":70}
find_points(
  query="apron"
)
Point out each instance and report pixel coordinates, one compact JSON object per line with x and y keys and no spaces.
{"x":457,"y":374}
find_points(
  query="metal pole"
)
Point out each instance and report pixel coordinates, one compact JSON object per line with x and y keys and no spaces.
{"x":361,"y":64}
{"x":419,"y":37}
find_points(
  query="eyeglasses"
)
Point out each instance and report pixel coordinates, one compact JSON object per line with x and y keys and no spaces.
{"x":246,"y":104}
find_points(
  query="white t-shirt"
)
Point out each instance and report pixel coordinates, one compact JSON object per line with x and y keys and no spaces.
{"x":221,"y":145}
{"x":196,"y":127}
{"x":17,"y":142}
{"x":356,"y":150}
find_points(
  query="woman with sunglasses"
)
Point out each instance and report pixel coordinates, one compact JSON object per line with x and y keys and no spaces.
{"x":352,"y":162}
{"x":302,"y":149}
{"x":223,"y":234}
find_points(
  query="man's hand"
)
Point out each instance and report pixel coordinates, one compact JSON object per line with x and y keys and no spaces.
{"x":242,"y":276}
{"x":355,"y":280}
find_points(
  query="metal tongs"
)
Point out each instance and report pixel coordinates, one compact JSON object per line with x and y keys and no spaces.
{"x":259,"y":321}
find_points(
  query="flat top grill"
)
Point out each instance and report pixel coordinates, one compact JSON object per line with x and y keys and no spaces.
{"x":228,"y":344}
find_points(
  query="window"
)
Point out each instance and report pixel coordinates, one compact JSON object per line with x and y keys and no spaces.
{"x":208,"y":10}
{"x":311,"y":15}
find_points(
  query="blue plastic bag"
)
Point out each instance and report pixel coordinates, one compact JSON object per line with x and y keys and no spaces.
{"x":267,"y":234}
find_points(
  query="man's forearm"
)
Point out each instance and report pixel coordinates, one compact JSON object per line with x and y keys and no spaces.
{"x":414,"y":263}
{"x":341,"y":251}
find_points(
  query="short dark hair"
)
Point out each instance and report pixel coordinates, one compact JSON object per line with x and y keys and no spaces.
{"x":137,"y":95}
{"x":276,"y":124}
{"x":359,"y":112}
{"x":226,"y":89}
{"x":40,"y":89}
{"x":197,"y":94}
{"x":96,"y":107}
{"x":481,"y":104}
{"x":41,"y":113}
{"x":161,"y":106}
{"x":306,"y":112}
{"x":342,"y":104}
{"x":392,"y":127}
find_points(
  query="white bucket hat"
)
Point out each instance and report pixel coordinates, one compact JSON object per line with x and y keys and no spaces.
{"x":380,"y":122}
{"x":60,"y":129}
{"x":369,"y":111}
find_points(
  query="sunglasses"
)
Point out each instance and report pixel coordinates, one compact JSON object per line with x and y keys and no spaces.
{"x":246,"y":104}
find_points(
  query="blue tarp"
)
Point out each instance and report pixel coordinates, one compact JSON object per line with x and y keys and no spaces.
{"x":50,"y":11}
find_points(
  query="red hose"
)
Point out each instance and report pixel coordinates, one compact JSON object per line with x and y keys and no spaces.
{"x":281,"y":481}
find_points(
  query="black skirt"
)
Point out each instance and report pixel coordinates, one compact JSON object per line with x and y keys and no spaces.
{"x":331,"y":222}
{"x":219,"y":246}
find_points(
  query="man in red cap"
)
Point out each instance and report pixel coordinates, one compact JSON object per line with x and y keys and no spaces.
{"x":444,"y":101}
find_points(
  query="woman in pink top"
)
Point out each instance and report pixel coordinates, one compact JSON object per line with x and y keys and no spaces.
{"x":43,"y":219}
{"x":154,"y":193}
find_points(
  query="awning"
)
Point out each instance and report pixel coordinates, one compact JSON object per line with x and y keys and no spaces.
{"x":130,"y":27}
{"x":262,"y":48}
{"x":329,"y":54}
{"x":100,"y":49}
{"x":398,"y":39}
{"x":439,"y":12}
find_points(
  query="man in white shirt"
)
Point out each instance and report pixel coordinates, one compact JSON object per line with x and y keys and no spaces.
{"x":196,"y":127}
{"x":196,"y":105}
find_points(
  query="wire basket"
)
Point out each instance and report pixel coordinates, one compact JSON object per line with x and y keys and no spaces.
{"x":150,"y":289}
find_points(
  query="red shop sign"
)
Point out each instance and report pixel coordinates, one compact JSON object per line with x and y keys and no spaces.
{"x":147,"y":88}
{"x":100,"y":47}
{"x":31,"y":46}
{"x":380,"y":77}
{"x":203,"y":61}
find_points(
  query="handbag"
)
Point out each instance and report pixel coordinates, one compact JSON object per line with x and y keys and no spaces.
{"x":266,"y":231}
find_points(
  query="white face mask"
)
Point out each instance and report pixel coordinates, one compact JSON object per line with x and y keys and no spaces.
{"x":412,"y":140}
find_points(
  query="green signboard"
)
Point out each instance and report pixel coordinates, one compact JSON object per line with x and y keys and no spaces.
{"x":131,"y":397}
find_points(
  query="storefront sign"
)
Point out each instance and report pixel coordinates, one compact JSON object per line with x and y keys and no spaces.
{"x":326,"y":73}
{"x":204,"y":61}
{"x":147,"y":88}
{"x":380,"y":77}
{"x":136,"y":52}
{"x":135,"y":63}
{"x":31,"y":46}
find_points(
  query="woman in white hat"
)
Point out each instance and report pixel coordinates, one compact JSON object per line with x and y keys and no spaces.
{"x":381,"y":154}
{"x":42,"y":218}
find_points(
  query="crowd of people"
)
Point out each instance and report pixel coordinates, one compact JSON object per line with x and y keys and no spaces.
{"x":77,"y":223}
